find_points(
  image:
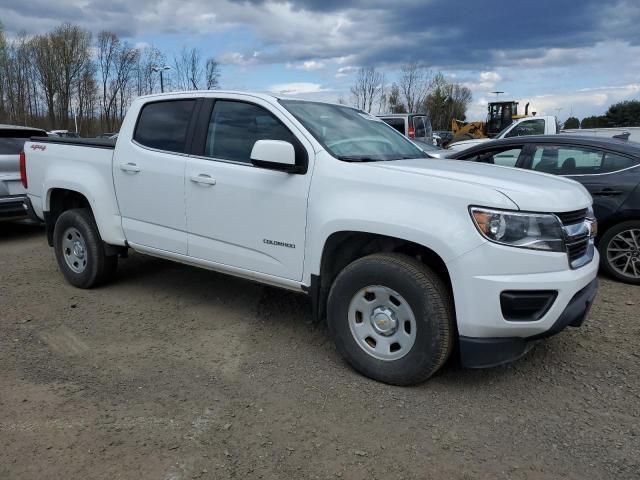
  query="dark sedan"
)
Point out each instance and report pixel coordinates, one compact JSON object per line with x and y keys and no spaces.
{"x":608,"y":168}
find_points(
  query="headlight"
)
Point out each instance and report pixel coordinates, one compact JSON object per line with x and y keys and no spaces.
{"x":537,"y":231}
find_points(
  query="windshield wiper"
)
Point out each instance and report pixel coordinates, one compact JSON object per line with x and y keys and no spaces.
{"x":358,"y":158}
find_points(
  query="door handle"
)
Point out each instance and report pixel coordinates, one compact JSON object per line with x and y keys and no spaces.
{"x":129,"y":167}
{"x":606,"y":192}
{"x":203,"y":179}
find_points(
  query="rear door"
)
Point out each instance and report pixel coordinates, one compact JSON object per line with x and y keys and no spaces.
{"x":609,"y":176}
{"x":238,"y":214}
{"x":148,"y":173}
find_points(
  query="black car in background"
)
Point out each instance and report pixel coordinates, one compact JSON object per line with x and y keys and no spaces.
{"x":608,"y":168}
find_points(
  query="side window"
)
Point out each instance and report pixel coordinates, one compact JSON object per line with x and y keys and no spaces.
{"x":504,"y":158}
{"x":528,"y":127}
{"x":613,"y":162}
{"x":164,"y":125}
{"x":397,"y":123}
{"x":418,"y":125}
{"x":235,"y":127}
{"x":561,"y":160}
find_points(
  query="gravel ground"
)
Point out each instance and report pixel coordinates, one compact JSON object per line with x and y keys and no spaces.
{"x":172,"y":372}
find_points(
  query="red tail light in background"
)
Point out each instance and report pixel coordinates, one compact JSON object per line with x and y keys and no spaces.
{"x":412,"y":131}
{"x":23,"y":169}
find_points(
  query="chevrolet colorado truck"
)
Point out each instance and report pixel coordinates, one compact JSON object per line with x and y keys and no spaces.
{"x":407,"y":258}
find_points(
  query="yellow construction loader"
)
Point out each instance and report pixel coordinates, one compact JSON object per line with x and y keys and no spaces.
{"x":499,"y":116}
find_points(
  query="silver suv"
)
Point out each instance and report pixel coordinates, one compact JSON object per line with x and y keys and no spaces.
{"x":12,"y":193}
{"x":416,"y":126}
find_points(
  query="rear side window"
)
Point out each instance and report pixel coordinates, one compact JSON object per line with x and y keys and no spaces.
{"x":578,"y":161}
{"x":11,"y":146}
{"x":419,"y":127}
{"x":164,"y":125}
{"x":235,"y":127}
{"x":397,"y":123}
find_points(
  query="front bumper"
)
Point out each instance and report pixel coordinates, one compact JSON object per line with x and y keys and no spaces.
{"x":489,"y":335}
{"x":490,"y":352}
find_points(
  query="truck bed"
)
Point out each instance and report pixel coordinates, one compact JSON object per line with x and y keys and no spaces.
{"x":82,"y":142}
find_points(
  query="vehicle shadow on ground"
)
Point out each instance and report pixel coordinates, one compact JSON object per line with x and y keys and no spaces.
{"x":25,"y":229}
{"x":291,"y":313}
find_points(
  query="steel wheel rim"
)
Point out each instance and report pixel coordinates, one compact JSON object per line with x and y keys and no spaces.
{"x":74,"y":250}
{"x":623,"y":253}
{"x":382,"y":323}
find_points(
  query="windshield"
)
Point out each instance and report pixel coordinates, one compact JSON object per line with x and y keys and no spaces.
{"x":502,"y":132}
{"x":350,"y":134}
{"x":11,"y":146}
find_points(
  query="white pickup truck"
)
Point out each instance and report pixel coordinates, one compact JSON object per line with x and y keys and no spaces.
{"x":406,"y":257}
{"x":541,"y":125}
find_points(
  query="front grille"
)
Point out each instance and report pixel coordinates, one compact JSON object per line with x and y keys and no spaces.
{"x":577,"y":249}
{"x":570,"y":218}
{"x":577,"y":235}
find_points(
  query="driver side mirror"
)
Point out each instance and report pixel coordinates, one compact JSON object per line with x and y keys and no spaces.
{"x":274,"y":155}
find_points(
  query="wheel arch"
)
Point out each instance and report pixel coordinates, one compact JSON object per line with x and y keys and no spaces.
{"x":57,"y":201}
{"x":343,"y":247}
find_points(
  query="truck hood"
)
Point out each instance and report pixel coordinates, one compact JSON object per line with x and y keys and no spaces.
{"x":530,"y":191}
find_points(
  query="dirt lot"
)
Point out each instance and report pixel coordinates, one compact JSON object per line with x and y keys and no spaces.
{"x":175,"y":373}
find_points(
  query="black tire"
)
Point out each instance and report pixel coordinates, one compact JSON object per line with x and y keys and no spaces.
{"x":98,"y":267}
{"x":606,"y":242}
{"x":429,"y":301}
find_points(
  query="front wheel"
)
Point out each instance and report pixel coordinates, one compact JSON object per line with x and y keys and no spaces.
{"x":80,"y":251}
{"x":620,"y":252}
{"x":391,"y":318}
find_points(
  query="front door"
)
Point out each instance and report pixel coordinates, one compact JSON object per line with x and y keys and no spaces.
{"x":238,"y":214}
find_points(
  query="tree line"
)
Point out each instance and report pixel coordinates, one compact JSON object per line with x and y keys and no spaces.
{"x":622,"y":114}
{"x":417,"y":90}
{"x":68,"y":77}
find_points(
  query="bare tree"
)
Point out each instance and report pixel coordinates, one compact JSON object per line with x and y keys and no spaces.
{"x":51,"y":79}
{"x":394,"y":101}
{"x":212,"y":74}
{"x":108,"y":47}
{"x":147,"y":79}
{"x":188,"y":69}
{"x":118,"y":64}
{"x":70,"y":45}
{"x":367,"y":88}
{"x":46,"y":66}
{"x":415,"y":83}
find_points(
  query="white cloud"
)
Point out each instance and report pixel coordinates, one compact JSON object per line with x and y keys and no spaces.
{"x":310,"y":65}
{"x":345,"y":71}
{"x":297,"y":88}
{"x":240,"y":59}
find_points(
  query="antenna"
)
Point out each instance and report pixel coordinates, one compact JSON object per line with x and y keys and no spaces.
{"x":497,"y":92}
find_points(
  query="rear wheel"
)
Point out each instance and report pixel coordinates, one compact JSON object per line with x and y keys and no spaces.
{"x":80,"y":251}
{"x":391,"y":318}
{"x":620,"y":252}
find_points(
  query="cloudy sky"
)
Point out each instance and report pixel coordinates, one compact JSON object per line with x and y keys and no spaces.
{"x":578,"y":56}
